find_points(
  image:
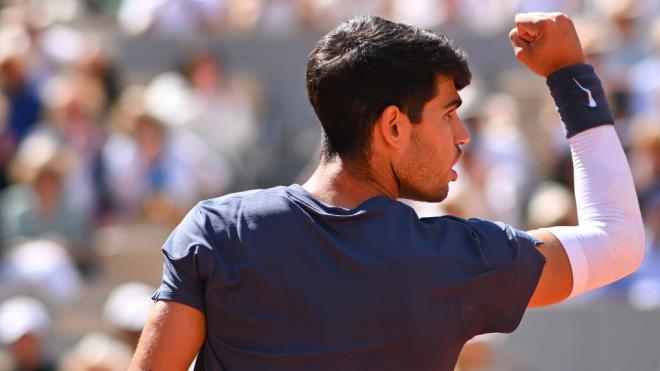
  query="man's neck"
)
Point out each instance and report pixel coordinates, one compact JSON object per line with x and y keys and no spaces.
{"x":339,"y":183}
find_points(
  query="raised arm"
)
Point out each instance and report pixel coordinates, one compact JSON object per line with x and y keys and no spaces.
{"x":171,"y":338}
{"x":608,"y":243}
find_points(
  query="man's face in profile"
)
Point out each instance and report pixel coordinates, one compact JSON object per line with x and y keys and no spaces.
{"x":426,"y":167}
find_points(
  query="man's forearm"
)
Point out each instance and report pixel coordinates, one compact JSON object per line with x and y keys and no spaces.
{"x":608,"y":243}
{"x":171,"y":338}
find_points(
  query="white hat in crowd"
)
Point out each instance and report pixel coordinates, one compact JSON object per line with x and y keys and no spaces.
{"x":22,"y":315}
{"x":128,"y":306}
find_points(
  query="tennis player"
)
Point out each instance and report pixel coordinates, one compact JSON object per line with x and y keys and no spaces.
{"x":336,"y":274}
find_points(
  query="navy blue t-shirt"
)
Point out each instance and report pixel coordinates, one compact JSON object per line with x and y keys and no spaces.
{"x":289,"y":283}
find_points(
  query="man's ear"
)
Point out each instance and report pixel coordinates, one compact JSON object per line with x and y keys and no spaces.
{"x":392,"y":126}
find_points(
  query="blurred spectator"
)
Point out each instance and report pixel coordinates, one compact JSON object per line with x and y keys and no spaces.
{"x":243,"y":15}
{"x":66,"y":47}
{"x":43,"y":268}
{"x":96,"y":351}
{"x":54,"y":11}
{"x":281,"y":16}
{"x":502,"y":153}
{"x":422,"y":13}
{"x":102,"y":8}
{"x":170,"y":18}
{"x":143,"y":169}
{"x":645,"y":156}
{"x":7,"y":142}
{"x":223,"y":112}
{"x":157,"y":173}
{"x":565,"y":6}
{"x":22,"y":101}
{"x":127,"y":308}
{"x":644,"y":291}
{"x":97,"y":62}
{"x":644,"y":77}
{"x":24,"y":327}
{"x":75,"y":104}
{"x":551,"y":203}
{"x":62,"y":45}
{"x":39,"y":205}
{"x":323,"y":15}
{"x":33,"y":21}
{"x":486,"y":16}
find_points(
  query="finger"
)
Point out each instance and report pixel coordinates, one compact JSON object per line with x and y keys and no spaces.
{"x":520,"y":46}
{"x":528,"y":26}
{"x":527,"y":35}
{"x":517,"y":41}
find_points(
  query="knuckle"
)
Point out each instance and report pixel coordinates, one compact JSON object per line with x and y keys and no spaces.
{"x":562,"y":18}
{"x":512,"y":34}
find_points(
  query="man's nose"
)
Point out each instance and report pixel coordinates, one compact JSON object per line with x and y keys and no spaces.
{"x":462,"y":136}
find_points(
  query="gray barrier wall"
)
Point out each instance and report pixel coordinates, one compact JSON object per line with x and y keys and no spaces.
{"x":593,"y":338}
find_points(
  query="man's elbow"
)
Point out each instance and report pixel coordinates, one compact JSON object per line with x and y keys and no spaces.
{"x":628,"y":237}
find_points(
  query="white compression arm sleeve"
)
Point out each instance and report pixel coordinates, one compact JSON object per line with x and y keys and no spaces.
{"x":608,"y":243}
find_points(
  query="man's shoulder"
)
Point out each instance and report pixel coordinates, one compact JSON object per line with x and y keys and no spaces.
{"x":261,"y":201}
{"x":220,"y":218}
{"x":457,"y":224}
{"x":495,"y":242}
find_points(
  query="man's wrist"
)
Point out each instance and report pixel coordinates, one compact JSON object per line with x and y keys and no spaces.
{"x":580,"y":98}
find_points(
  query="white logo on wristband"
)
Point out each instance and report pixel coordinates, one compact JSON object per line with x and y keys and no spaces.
{"x":592,"y":102}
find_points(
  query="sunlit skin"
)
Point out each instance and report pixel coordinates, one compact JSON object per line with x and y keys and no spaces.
{"x":426,"y":170}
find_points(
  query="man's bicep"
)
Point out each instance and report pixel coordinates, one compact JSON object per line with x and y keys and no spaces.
{"x":556,"y":280}
{"x":171,"y":338}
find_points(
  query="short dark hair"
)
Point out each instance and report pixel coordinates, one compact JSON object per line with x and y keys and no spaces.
{"x":368,"y":63}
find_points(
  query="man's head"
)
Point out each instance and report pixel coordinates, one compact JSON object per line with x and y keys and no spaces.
{"x":367,"y":64}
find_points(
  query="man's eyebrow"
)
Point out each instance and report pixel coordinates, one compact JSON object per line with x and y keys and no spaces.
{"x":456,"y":102}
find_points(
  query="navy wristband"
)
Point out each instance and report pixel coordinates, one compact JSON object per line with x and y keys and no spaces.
{"x":579,"y":98}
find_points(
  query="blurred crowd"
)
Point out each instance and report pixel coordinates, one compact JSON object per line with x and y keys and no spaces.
{"x":95,"y":170}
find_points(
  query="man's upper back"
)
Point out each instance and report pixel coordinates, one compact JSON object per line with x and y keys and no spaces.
{"x":287,"y":282}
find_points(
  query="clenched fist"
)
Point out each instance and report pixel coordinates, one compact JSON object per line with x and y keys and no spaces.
{"x":545,"y":42}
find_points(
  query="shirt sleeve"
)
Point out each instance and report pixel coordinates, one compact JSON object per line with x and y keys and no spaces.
{"x":188,"y":262}
{"x":498,"y":297}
